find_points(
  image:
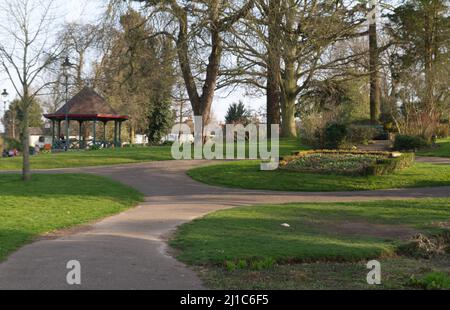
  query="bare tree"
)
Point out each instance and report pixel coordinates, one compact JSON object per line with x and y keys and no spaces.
{"x":78,"y":40}
{"x":285,"y":44}
{"x":374,"y":55}
{"x":197,"y":29}
{"x":26,"y":51}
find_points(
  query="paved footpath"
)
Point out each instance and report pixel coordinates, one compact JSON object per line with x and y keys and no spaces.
{"x":128,"y":251}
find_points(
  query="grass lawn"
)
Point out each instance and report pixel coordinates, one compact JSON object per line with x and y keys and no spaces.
{"x":52,"y":202}
{"x":247,"y":174}
{"x":90,"y":158}
{"x":331,"y":239}
{"x":114,"y":157}
{"x":442,"y":151}
{"x":396,"y":273}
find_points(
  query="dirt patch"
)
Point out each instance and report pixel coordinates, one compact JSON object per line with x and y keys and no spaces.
{"x":427,"y":246}
{"x":65,"y":232}
{"x":445,"y":225}
{"x":397,"y":232}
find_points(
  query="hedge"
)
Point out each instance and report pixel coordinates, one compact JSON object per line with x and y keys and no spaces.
{"x":391,"y":165}
{"x":393,"y":162}
{"x":409,"y":143}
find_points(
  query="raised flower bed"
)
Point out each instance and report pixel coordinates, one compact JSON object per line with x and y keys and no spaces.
{"x":347,"y":162}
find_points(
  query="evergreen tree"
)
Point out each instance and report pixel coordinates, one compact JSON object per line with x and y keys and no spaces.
{"x":238,"y":114}
{"x":160,"y":119}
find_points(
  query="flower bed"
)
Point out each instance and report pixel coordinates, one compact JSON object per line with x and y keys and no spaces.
{"x":347,"y":162}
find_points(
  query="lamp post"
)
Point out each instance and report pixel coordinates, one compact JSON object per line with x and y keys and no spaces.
{"x":66,"y":66}
{"x":5,"y":99}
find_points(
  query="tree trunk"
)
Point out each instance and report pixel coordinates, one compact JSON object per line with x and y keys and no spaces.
{"x":201,"y":105}
{"x":26,"y":171}
{"x":13,"y":114}
{"x":132,"y":134}
{"x":273,"y":67}
{"x":428,"y":61}
{"x":288,"y":101}
{"x":288,"y":128}
{"x":79,"y":78}
{"x":375,"y":88}
{"x":289,"y":78}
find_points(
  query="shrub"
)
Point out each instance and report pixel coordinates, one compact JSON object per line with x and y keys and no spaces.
{"x":390,"y":165}
{"x":443,"y":131}
{"x":252,"y":264}
{"x":361,"y":134}
{"x":335,"y":136}
{"x":409,"y":143}
{"x":266,"y":263}
{"x":432,"y":281}
{"x":95,"y":147}
{"x":312,"y":127}
{"x":230,"y":266}
{"x":13,"y":144}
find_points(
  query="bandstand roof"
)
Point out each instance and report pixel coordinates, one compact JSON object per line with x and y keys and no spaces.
{"x":87,"y":105}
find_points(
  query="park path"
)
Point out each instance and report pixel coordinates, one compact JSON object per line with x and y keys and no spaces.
{"x":128,"y":251}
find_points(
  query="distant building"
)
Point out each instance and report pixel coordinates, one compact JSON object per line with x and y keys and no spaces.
{"x":40,"y":136}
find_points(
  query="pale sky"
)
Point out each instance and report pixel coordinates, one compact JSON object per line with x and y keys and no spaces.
{"x":89,"y":11}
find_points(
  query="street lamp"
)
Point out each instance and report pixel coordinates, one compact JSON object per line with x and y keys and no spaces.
{"x":66,"y":65}
{"x":5,"y":99}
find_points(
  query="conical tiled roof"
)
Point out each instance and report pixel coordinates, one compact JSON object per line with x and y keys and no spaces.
{"x":87,"y":101}
{"x":86,"y":105}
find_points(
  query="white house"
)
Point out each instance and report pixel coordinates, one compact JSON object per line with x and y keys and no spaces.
{"x":39,"y":137}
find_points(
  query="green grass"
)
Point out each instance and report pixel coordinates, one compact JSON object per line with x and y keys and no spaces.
{"x":396,"y":273}
{"x":247,"y":174}
{"x":290,"y":145}
{"x":433,"y":281}
{"x":107,"y":157}
{"x":52,"y":202}
{"x":443,"y":149}
{"x":254,"y":233}
{"x":247,"y":248}
{"x":90,"y":158}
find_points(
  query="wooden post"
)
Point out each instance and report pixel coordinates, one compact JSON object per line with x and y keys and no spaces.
{"x":68,"y":135}
{"x":53,"y":133}
{"x":120,"y":134}
{"x":104,"y":134}
{"x":80,"y":128}
{"x":59,"y":130}
{"x":94,"y":132}
{"x":115,"y":133}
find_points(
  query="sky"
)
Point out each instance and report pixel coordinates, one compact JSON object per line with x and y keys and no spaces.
{"x":85,"y":11}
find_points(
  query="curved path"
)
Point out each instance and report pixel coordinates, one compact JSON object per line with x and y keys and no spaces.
{"x":128,"y":251}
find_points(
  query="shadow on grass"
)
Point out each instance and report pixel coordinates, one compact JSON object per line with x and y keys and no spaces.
{"x":61,"y":185}
{"x":12,"y":239}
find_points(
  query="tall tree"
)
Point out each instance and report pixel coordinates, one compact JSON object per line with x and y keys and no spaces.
{"x":283,"y":44}
{"x":25,"y":54}
{"x":310,"y":30}
{"x":422,"y":30}
{"x":273,"y":63}
{"x":137,"y":71}
{"x":201,"y":26}
{"x":78,"y":39}
{"x":375,"y":87}
{"x":13,"y":118}
{"x":238,"y":114}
